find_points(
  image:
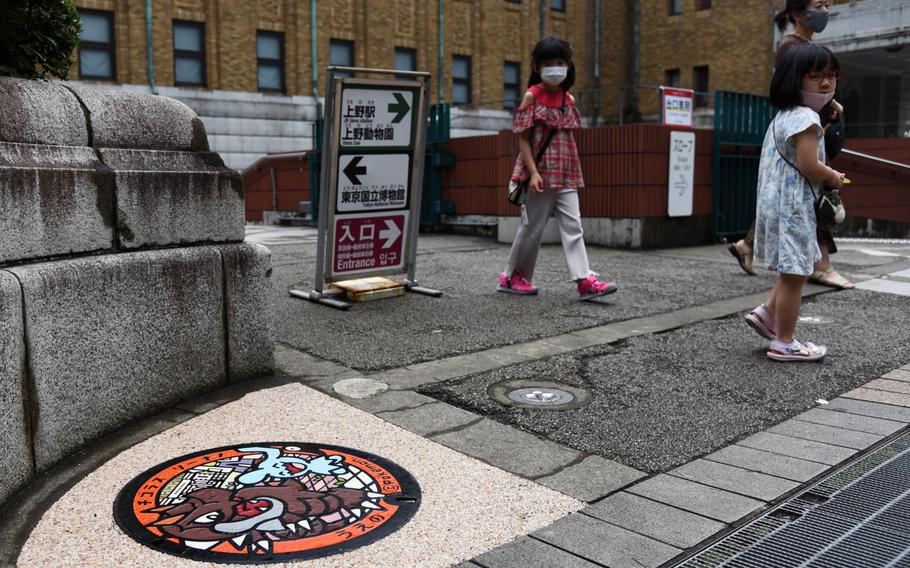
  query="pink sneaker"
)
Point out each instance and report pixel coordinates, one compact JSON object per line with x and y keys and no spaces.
{"x":517,"y":284}
{"x":591,"y":287}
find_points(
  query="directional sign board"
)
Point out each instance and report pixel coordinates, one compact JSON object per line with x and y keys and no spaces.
{"x":376,"y":118}
{"x":373,"y":151}
{"x":373,"y":182}
{"x":369,"y":242}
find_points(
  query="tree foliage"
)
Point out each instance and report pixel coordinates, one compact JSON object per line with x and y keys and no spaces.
{"x":37,"y":38}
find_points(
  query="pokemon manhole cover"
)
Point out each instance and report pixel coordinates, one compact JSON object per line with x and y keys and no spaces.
{"x":267,"y":502}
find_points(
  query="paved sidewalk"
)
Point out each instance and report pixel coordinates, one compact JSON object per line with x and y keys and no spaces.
{"x":683,"y":440}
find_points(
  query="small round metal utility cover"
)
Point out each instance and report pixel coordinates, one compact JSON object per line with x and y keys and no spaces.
{"x":539,"y":395}
{"x":815,"y":320}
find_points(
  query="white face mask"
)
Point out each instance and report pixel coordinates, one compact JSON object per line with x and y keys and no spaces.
{"x":816,"y":101}
{"x":553,"y":75}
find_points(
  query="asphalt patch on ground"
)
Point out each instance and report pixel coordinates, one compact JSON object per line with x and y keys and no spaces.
{"x":472,"y":316}
{"x":662,"y":400}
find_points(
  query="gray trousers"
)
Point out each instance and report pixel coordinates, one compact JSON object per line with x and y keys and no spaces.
{"x":538,"y":209}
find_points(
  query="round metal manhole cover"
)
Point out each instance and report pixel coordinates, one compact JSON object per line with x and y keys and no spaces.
{"x":540,"y":395}
{"x":267,"y":502}
{"x":815,"y":320}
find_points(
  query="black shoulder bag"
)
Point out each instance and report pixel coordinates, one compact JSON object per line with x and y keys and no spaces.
{"x":518,"y":190}
{"x":829,"y":208}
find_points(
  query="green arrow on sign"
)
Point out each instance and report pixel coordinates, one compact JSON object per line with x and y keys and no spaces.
{"x":400,"y":107}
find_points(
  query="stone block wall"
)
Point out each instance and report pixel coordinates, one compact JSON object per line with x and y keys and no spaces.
{"x":125,"y":286}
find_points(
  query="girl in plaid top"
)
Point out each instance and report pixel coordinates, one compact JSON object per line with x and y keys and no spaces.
{"x":554,"y":181}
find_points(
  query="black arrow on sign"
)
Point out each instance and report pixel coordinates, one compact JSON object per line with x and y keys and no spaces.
{"x":400,"y":108}
{"x":352,"y":170}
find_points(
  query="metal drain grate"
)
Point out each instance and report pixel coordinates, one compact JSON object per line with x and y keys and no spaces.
{"x":858,"y":517}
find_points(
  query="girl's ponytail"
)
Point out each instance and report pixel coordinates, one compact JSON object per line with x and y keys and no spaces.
{"x":782,"y":19}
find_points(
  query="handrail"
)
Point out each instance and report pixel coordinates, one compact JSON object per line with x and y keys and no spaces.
{"x":876,"y":159}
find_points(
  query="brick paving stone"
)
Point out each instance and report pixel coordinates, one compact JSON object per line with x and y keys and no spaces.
{"x":850,"y":421}
{"x":430,"y":418}
{"x":509,"y":449}
{"x":735,"y":479}
{"x":901,"y":374}
{"x":826,"y":434}
{"x":529,"y":553}
{"x":591,"y":479}
{"x":606,"y":544}
{"x":656,"y":520}
{"x":697,"y":498}
{"x":867,"y":408}
{"x":884,"y":397}
{"x":795,"y":469}
{"x":797,"y":448}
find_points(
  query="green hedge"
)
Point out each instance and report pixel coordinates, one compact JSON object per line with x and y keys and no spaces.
{"x":38,"y":38}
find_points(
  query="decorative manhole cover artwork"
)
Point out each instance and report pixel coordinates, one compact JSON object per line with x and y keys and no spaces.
{"x":267,"y":502}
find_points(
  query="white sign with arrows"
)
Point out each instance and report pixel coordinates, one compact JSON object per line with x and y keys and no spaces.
{"x":376,"y":118}
{"x":372,"y":182}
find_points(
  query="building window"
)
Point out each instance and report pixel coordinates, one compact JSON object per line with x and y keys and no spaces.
{"x":189,"y":54}
{"x":558,"y":5}
{"x":701,"y":79}
{"x":461,"y":79}
{"x":405,"y":60}
{"x":270,"y":59}
{"x":341,"y":54}
{"x":511,"y":84}
{"x":96,"y":45}
{"x":671,"y":77}
{"x":676,"y":7}
{"x":703,"y":4}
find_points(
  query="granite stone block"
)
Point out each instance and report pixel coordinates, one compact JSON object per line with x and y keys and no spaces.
{"x":867,"y":408}
{"x":136,"y":120}
{"x":706,"y":501}
{"x":116,"y":338}
{"x":797,"y":448}
{"x":54,"y":200}
{"x":530,"y":553}
{"x":606,"y":544}
{"x":425,"y":420}
{"x":170,"y":198}
{"x":851,"y":421}
{"x":795,"y":469}
{"x":39,"y":112}
{"x":591,"y":478}
{"x":735,"y":479}
{"x":656,"y":520}
{"x":509,"y":449}
{"x":250,"y":310}
{"x":826,"y":434}
{"x":15,"y":446}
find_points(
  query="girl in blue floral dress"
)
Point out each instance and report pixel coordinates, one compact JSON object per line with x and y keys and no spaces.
{"x":791,"y":173}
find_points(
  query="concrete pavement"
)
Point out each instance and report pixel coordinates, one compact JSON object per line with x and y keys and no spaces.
{"x":690,"y":430}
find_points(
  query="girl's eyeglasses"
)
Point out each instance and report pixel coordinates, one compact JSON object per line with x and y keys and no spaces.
{"x":817,"y":76}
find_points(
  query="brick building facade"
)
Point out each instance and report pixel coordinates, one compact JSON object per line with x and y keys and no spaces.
{"x":234,"y":53}
{"x":695,"y":43}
